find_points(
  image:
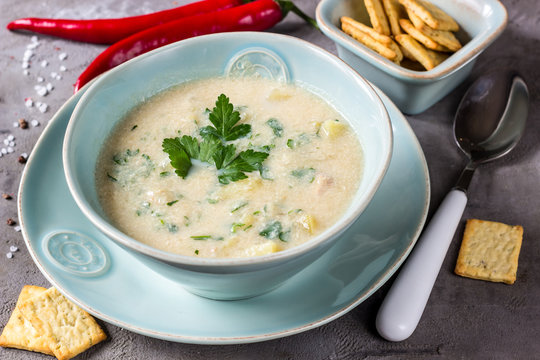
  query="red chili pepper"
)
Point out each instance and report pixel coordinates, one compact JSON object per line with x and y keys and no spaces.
{"x":255,"y":16}
{"x":109,"y":31}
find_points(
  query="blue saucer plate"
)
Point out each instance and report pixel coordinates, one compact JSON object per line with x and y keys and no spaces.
{"x":118,"y":288}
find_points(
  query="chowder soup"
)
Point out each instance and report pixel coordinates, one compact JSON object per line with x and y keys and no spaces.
{"x":285,"y":172}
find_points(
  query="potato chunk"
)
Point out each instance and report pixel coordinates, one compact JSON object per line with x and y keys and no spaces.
{"x":278,"y":94}
{"x":265,"y":248}
{"x":239,"y":187}
{"x":308,"y":223}
{"x":333,"y":128}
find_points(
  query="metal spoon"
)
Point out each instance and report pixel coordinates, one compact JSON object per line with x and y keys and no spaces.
{"x":489,"y":123}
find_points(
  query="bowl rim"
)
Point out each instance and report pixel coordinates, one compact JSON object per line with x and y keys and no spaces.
{"x":205,"y":262}
{"x":456,"y":61}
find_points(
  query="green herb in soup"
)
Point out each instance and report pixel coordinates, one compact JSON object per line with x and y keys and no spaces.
{"x":260,"y":176}
{"x":304,"y":174}
{"x":214,"y":149}
{"x":276,"y":126}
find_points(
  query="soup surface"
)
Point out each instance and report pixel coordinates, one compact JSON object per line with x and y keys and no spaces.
{"x":285,"y":172}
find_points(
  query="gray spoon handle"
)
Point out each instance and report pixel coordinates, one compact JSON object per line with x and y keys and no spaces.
{"x":404,"y":304}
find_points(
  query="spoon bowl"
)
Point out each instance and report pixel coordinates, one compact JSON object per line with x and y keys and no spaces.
{"x":488,"y":124}
{"x":491,"y":116}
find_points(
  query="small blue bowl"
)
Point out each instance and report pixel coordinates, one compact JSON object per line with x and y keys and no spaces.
{"x":481,"y":22}
{"x":286,"y":58}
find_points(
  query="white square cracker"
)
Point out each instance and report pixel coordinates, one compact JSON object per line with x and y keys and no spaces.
{"x":489,"y":251}
{"x":68,"y":329}
{"x":19,"y":332}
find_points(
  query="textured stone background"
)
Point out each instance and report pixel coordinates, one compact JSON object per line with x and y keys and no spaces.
{"x":464,"y":318}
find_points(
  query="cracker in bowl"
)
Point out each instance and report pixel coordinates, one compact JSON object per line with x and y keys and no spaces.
{"x":406,"y":22}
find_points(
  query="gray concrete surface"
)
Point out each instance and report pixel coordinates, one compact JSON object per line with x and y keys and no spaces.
{"x":465,"y":319}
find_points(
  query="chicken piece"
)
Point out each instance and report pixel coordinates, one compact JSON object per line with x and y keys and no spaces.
{"x":323,"y":183}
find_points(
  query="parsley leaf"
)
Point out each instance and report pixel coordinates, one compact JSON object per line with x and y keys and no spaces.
{"x":274,"y":230}
{"x":302,"y":139}
{"x":180,"y":159}
{"x":276,"y":126}
{"x":271,"y":230}
{"x":208,"y":148}
{"x":246,"y":161}
{"x":213,"y":150}
{"x":224,"y":119}
{"x":191,"y":145}
{"x":224,"y":156}
{"x":307,"y":174}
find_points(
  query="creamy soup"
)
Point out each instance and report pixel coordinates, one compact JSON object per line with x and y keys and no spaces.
{"x":176,"y":175}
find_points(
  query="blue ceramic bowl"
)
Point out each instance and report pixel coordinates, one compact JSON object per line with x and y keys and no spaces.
{"x":111,"y":97}
{"x":481,"y":22}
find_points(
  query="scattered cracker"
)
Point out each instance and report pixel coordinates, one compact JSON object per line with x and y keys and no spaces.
{"x":383,"y":39}
{"x":420,"y":36}
{"x":394,"y":12}
{"x":428,"y":58}
{"x":489,"y":251}
{"x":68,"y":329}
{"x":431,"y":14}
{"x":19,"y":332}
{"x":368,"y":41}
{"x":377,"y":16}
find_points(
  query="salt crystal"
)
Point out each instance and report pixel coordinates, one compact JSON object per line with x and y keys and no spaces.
{"x":49,"y":86}
{"x":53,"y":74}
{"x":12,"y":143}
{"x":10,"y":149}
{"x":41,"y":90}
{"x":43,"y":108}
{"x":44,"y":63}
{"x":24,"y":155}
{"x":28,"y":53}
{"x":4,"y":151}
{"x":34,"y":122}
{"x":17,"y":228}
{"x":6,"y":142}
{"x":58,"y":77}
{"x":9,"y":255}
{"x":1,"y":154}
{"x":62,"y":56}
{"x":13,"y":248}
{"x":16,"y":124}
{"x":26,"y":72}
{"x":25,"y":65}
{"x":40,"y":79}
{"x":32,"y":46}
{"x":63,"y":68}
{"x":11,"y":137}
{"x":28,"y":102}
{"x":34,"y":39}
